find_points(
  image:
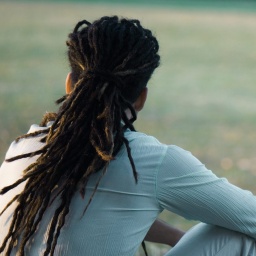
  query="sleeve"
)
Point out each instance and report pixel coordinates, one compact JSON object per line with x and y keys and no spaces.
{"x":186,"y":187}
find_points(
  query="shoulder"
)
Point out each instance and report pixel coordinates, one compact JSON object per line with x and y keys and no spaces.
{"x":179,"y":162}
{"x":142,"y":138}
{"x":12,"y":171}
{"x":171,"y":153}
{"x":139,"y":141}
{"x":28,"y":144}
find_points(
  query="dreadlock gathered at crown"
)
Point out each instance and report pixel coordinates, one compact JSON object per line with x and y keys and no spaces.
{"x":111,"y":62}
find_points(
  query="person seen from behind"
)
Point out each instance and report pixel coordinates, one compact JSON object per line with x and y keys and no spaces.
{"x":85,"y":182}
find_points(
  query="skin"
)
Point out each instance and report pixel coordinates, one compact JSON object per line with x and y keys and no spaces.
{"x":159,"y":232}
{"x":163,"y":233}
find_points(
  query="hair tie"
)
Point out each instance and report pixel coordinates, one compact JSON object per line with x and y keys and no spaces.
{"x":105,"y":76}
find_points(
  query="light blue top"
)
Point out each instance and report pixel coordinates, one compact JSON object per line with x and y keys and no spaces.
{"x":122,"y":211}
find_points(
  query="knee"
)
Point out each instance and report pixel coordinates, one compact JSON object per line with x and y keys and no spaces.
{"x":209,"y":240}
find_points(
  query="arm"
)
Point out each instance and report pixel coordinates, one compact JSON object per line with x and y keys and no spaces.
{"x":187,"y":188}
{"x":161,"y":232}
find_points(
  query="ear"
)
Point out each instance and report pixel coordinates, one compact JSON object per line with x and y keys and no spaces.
{"x":139,"y":103}
{"x":68,"y":83}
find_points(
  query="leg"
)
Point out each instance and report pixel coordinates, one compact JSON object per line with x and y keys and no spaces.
{"x":208,"y":240}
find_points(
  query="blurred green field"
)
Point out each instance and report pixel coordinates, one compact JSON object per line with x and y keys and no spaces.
{"x":202,"y":97}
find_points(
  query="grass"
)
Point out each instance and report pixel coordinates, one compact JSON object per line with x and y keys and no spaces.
{"x":220,"y":5}
{"x":201,"y":98}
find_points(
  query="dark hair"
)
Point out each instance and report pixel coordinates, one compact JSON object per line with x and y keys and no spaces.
{"x":111,"y":62}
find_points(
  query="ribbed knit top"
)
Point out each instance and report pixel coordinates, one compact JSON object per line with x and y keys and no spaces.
{"x":122,"y":211}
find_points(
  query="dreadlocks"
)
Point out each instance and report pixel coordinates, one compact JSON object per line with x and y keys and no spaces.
{"x":111,"y":62}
